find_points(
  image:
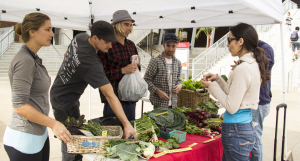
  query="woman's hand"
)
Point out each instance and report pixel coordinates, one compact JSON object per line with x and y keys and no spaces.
{"x":205,"y":83}
{"x":61,"y":132}
{"x":210,"y":77}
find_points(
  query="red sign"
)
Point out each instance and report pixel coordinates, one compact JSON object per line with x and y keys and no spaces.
{"x":183,"y":45}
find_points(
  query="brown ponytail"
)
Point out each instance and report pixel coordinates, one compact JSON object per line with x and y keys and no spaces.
{"x":248,"y":33}
{"x":263,"y":64}
{"x":32,"y":21}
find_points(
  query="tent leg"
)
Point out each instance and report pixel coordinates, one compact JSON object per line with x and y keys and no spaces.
{"x":283,"y":77}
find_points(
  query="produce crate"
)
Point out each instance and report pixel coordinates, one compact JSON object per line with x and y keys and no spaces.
{"x":90,"y":144}
{"x":181,"y":135}
{"x":190,"y":99}
{"x":164,"y":135}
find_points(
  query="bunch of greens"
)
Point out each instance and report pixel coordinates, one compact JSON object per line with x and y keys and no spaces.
{"x":145,"y":128}
{"x":71,"y":121}
{"x":130,"y":152}
{"x":168,"y":117}
{"x":192,"y":128}
{"x":182,"y":109}
{"x":169,"y":144}
{"x":209,"y":106}
{"x":224,"y":77}
{"x":96,"y":129}
{"x":192,"y":85}
{"x":73,"y":125}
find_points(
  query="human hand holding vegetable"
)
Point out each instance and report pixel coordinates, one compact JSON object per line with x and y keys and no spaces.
{"x":130,"y":68}
{"x":61,"y":132}
{"x":128,"y":131}
{"x":209,"y":77}
{"x":205,"y":83}
{"x":176,"y":89}
{"x":162,"y":95}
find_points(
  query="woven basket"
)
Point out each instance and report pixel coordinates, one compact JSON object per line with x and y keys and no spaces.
{"x":190,"y":99}
{"x":90,"y":144}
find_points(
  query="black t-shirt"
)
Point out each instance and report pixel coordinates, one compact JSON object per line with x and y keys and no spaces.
{"x":80,"y":67}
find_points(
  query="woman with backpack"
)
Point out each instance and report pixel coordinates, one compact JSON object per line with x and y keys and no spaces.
{"x":295,"y":42}
{"x":240,"y":94}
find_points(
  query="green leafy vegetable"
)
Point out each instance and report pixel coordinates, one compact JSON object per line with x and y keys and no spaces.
{"x":96,"y":129}
{"x":224,"y":77}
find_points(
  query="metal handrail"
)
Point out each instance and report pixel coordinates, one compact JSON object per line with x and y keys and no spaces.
{"x":144,"y":55}
{"x":56,"y":50}
{"x":7,"y":34}
{"x":204,"y":55}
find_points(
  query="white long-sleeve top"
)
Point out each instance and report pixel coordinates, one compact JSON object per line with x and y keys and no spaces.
{"x":241,"y":91}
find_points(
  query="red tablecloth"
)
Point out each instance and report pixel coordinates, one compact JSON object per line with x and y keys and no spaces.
{"x":211,"y":151}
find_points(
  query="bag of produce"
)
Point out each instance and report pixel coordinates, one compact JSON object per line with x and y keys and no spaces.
{"x":132,"y":87}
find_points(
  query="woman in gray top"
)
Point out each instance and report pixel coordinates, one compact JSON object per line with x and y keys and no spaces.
{"x":26,"y":136}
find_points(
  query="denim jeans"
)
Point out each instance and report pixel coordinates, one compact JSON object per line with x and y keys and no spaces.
{"x":238,"y":140}
{"x":129,"y":110}
{"x":258,"y":117}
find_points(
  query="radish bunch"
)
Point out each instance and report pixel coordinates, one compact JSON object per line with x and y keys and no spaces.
{"x":199,"y":117}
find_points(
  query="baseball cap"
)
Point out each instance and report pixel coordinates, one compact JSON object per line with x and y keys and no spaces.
{"x":121,"y":15}
{"x":103,"y":30}
{"x":170,"y":37}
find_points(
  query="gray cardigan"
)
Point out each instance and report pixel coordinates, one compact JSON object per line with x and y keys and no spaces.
{"x":30,"y":84}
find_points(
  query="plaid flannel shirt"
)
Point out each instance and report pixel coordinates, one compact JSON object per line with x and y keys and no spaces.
{"x":157,"y":78}
{"x":113,"y":61}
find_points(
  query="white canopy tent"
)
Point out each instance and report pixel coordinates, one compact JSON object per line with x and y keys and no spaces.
{"x":154,"y":14}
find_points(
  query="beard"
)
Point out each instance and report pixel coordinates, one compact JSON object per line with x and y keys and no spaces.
{"x":170,"y":53}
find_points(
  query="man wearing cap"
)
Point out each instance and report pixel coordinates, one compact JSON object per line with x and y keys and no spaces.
{"x":117,"y":61}
{"x":81,"y":67}
{"x":163,"y":75}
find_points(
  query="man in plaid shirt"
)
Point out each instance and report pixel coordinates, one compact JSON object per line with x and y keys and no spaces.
{"x":163,"y":75}
{"x":117,"y":61}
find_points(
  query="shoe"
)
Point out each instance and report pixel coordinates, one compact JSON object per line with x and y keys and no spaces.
{"x":293,"y":60}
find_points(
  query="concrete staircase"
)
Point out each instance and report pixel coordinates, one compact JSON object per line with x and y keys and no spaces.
{"x":52,"y":58}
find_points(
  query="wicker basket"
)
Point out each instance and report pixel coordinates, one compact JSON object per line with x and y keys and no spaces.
{"x":90,"y":144}
{"x":190,"y":99}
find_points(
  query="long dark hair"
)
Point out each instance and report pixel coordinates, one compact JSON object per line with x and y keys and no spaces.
{"x":248,"y":33}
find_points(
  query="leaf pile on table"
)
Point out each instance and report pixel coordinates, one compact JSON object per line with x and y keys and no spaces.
{"x":202,"y":122}
{"x":128,"y":149}
{"x":209,"y":106}
{"x":146,"y":129}
{"x":171,"y":118}
{"x":74,"y":125}
{"x":192,"y":85}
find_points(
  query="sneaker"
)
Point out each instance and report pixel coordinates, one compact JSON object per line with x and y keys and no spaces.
{"x":293,"y":60}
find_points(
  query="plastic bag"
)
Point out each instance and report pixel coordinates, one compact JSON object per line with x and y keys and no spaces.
{"x":132,"y":87}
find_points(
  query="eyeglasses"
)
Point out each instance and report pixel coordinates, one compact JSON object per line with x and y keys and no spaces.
{"x":230,"y":39}
{"x":171,"y":38}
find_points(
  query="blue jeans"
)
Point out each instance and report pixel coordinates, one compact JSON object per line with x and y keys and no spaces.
{"x":238,"y":140}
{"x":258,"y":117}
{"x":129,"y":110}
